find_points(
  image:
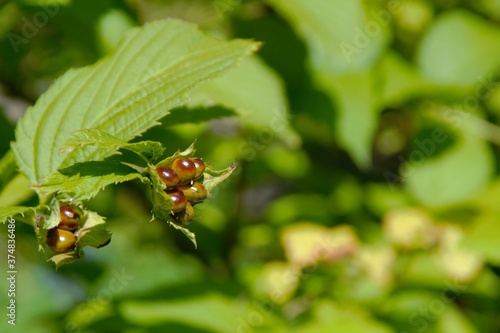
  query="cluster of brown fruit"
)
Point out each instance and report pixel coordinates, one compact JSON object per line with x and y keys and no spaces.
{"x":182,"y":186}
{"x":62,"y":238}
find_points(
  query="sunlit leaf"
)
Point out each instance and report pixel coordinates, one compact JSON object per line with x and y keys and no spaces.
{"x":12,"y":211}
{"x":214,"y":312}
{"x":482,"y":237}
{"x":123,"y":95}
{"x":7,"y":169}
{"x":454,"y":321}
{"x":16,"y":192}
{"x":356,"y":100}
{"x":238,"y":90}
{"x":446,"y":55}
{"x":149,"y":150}
{"x":457,"y":174}
{"x":329,"y":317}
{"x":83,"y":181}
{"x":336,"y":32}
{"x":212,"y":178}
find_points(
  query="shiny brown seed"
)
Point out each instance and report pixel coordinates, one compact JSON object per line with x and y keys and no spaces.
{"x":195,"y":193}
{"x":179,"y":200}
{"x":185,"y":216}
{"x":60,"y":240}
{"x":185,"y":169}
{"x":70,"y":219}
{"x":200,"y":167}
{"x":168,"y":176}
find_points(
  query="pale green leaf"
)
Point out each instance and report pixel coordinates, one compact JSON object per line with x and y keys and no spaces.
{"x":454,"y":321}
{"x":17,"y":191}
{"x":7,"y":169}
{"x":329,"y":317}
{"x":91,"y":137}
{"x":50,"y":221}
{"x":356,"y":102}
{"x":93,"y":231}
{"x":238,"y":90}
{"x":84,"y":181}
{"x":189,"y":234}
{"x":14,"y":187}
{"x":402,"y":80}
{"x":12,"y":211}
{"x":111,"y":27}
{"x":482,"y":237}
{"x":123,"y":95}
{"x":212,"y":178}
{"x":211,"y":312}
{"x":446,"y":55}
{"x":336,"y":32}
{"x":149,"y":150}
{"x":453,"y":176}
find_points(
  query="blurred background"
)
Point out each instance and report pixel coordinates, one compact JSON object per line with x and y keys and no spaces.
{"x":366,"y":193}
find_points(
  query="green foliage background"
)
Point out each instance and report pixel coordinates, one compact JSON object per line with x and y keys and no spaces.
{"x":366,"y":193}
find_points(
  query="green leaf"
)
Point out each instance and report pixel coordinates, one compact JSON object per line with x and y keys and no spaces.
{"x":454,"y":321}
{"x":149,"y":150}
{"x":52,"y":220}
{"x":329,"y":317}
{"x":92,"y":137}
{"x":93,"y":232}
{"x":16,"y":192}
{"x":186,"y":115}
{"x":212,"y":312}
{"x":453,"y":176}
{"x":357,"y":117}
{"x":402,"y":80}
{"x":482,"y":237}
{"x":84,"y":181}
{"x":14,"y":187}
{"x":8,"y":212}
{"x":189,"y":234}
{"x":446,"y":55}
{"x":212,"y":178}
{"x":490,"y":8}
{"x":7,"y":169}
{"x":256,"y":92}
{"x":335,"y":32}
{"x":123,"y":95}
